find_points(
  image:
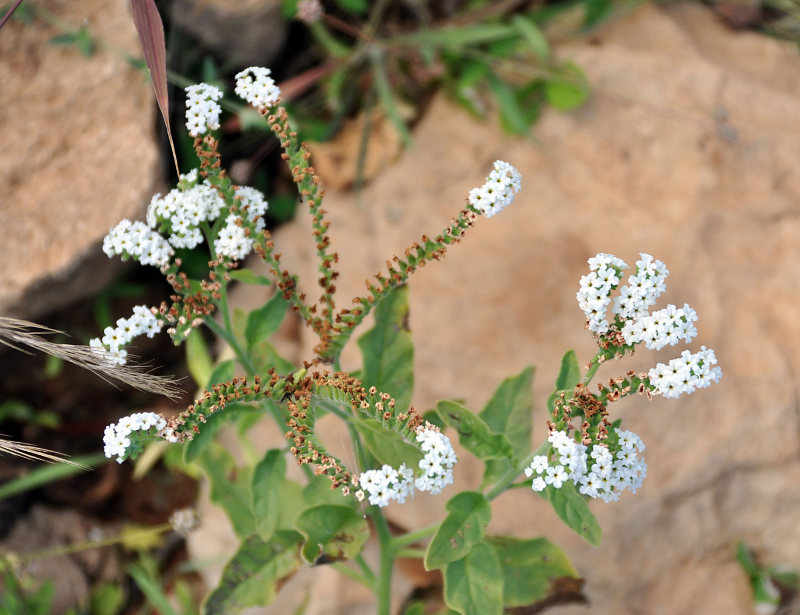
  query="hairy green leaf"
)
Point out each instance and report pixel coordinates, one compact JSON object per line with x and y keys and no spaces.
{"x":253,"y":576}
{"x":568,"y":377}
{"x":264,"y":321}
{"x":266,"y":504}
{"x":332,"y":533}
{"x":230,"y":487}
{"x":198,"y":358}
{"x":510,"y":410}
{"x":464,"y":526}
{"x":474,"y":585}
{"x":386,"y":445}
{"x":571,"y":506}
{"x":529,"y":568}
{"x":388,"y":351}
{"x":473,"y":433}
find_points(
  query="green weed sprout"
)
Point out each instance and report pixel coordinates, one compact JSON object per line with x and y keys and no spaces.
{"x":282,"y":524}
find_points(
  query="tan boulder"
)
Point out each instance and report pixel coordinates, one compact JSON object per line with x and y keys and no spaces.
{"x":78,"y":153}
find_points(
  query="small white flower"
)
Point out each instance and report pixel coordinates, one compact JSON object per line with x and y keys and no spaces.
{"x":255,"y":85}
{"x":202,"y":110}
{"x":498,"y":191}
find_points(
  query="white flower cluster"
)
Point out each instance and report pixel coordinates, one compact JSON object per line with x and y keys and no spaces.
{"x":597,"y":473}
{"x":232,"y":240}
{"x":667,"y":326}
{"x":498,"y":191}
{"x":637,"y":324}
{"x":117,"y":437}
{"x":686,"y":373}
{"x":255,"y":85}
{"x":387,"y":484}
{"x":605,"y":271}
{"x":180,"y":212}
{"x":202,"y":110}
{"x":142,"y":322}
{"x":137,"y":241}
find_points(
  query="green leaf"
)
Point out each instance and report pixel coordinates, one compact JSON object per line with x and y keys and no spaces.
{"x":255,"y":573}
{"x":359,"y":7}
{"x":460,"y":37}
{"x":574,"y":511}
{"x":265,"y":356}
{"x":318,"y":491}
{"x":151,"y":589}
{"x":387,"y":97}
{"x":470,"y":74}
{"x":264,"y":490}
{"x":198,"y":358}
{"x":388,"y":351}
{"x":107,"y":599}
{"x":293,"y":502}
{"x":248,"y":276}
{"x":264,"y":321}
{"x":49,"y":473}
{"x":568,"y":377}
{"x":332,"y":533}
{"x":596,"y":11}
{"x":495,"y":470}
{"x":230,"y":487}
{"x":510,"y":410}
{"x":464,"y":526}
{"x":567,"y":89}
{"x":532,"y":35}
{"x":417,"y":608}
{"x":289,"y":8}
{"x":511,"y":114}
{"x":474,"y":585}
{"x":473,"y":434}
{"x":386,"y":445}
{"x":530,"y":567}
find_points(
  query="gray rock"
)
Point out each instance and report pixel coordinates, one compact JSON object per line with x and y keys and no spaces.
{"x":244,"y":32}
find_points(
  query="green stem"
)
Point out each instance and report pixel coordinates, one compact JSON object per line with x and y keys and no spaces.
{"x":411,"y":553}
{"x":332,"y":46}
{"x":383,"y":589}
{"x":365,"y":569}
{"x":512,"y":474}
{"x":508,"y":478}
{"x":241,"y":356}
{"x":594,"y":364}
{"x":94,"y":544}
{"x":353,"y":574}
{"x":398,"y":542}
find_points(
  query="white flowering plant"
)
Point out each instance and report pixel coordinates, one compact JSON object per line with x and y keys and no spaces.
{"x":327,"y":516}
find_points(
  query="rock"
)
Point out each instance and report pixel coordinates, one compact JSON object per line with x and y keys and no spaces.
{"x":686,"y":150}
{"x":78,"y":154}
{"x":45,"y":527}
{"x":244,"y":32}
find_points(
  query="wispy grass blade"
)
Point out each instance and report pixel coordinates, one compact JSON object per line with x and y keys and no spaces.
{"x":19,"y":334}
{"x":151,"y":34}
{"x":36,"y":453}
